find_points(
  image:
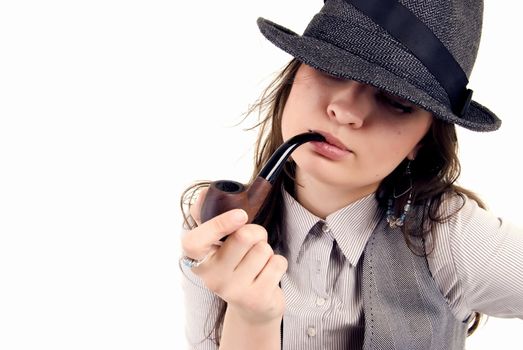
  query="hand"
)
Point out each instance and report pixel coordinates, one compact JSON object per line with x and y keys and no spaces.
{"x":243,"y":271}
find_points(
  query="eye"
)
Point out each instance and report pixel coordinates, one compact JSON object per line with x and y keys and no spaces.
{"x":394,"y":102}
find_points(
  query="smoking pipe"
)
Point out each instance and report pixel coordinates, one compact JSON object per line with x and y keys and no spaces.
{"x":224,"y":195}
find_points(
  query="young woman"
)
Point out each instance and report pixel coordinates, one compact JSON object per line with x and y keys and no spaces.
{"x":364,"y":242}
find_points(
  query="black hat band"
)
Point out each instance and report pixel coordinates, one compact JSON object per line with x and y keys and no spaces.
{"x":379,"y":50}
{"x":405,"y":27}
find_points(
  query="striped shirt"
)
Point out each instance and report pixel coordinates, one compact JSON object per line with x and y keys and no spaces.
{"x":476,"y":262}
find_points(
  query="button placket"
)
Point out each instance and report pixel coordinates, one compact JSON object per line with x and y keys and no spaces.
{"x":321,"y":252}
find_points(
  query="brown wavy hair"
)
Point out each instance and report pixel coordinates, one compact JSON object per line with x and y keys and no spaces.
{"x":434,"y":172}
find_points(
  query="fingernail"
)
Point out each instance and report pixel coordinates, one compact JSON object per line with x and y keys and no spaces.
{"x":240,"y":215}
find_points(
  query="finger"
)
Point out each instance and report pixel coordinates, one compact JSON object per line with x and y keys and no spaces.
{"x":273,"y":272}
{"x":197,"y":206}
{"x":238,"y":245}
{"x":253,"y":262}
{"x":198,"y":242}
{"x":206,"y":258}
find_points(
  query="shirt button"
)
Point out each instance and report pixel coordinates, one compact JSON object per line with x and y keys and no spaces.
{"x":320,"y":301}
{"x":311,"y":332}
{"x":326,"y":229}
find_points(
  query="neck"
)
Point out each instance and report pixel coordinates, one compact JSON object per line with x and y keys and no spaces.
{"x":323,"y":199}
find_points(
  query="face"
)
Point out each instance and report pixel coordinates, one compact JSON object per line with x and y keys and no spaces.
{"x":369,"y":132}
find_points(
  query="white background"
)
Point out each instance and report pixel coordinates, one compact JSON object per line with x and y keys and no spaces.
{"x":109,"y":109}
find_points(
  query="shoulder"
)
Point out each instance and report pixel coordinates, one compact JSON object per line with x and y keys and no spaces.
{"x":454,"y":208}
{"x":463,"y":227}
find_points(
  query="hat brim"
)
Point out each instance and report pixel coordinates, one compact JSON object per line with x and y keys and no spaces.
{"x":327,"y":57}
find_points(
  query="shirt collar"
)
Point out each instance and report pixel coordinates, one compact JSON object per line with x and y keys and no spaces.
{"x":351,"y":226}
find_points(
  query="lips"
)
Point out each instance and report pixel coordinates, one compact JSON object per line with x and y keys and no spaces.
{"x":332,"y":149}
{"x":330,"y":139}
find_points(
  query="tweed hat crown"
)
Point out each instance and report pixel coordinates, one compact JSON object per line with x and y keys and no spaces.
{"x":420,"y":50}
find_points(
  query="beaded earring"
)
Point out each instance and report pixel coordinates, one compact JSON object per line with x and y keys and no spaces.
{"x":392,"y":220}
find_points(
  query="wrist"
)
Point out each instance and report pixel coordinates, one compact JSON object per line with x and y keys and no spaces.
{"x":252,"y":318}
{"x":240,"y":332}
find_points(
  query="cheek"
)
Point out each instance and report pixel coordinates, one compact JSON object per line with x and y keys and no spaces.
{"x":300,"y":107}
{"x":390,"y":147}
{"x":287,"y":122}
{"x":390,"y":144}
{"x":403,"y":136}
{"x":383,"y":163}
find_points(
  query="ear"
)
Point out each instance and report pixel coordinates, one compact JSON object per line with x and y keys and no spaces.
{"x":412,"y":154}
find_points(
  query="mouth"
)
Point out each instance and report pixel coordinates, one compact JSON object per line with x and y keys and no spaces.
{"x":333,"y":141}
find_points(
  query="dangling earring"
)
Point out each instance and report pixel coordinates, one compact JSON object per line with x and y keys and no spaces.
{"x":391,"y":219}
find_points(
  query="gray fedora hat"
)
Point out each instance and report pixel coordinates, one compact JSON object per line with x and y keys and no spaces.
{"x":421,"y":50}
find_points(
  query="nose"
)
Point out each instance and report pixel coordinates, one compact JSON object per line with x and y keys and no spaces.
{"x":351,"y":103}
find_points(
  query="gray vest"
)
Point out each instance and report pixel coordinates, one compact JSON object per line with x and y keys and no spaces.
{"x":403,"y":307}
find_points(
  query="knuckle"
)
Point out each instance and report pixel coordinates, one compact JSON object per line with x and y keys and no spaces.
{"x":263,"y":248}
{"x":261,"y":232}
{"x":251,"y":234}
{"x":243,"y":236}
{"x":279,"y":263}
